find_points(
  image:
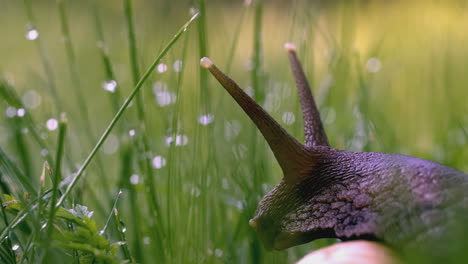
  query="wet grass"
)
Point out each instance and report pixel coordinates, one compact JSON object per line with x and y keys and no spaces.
{"x":190,"y":166}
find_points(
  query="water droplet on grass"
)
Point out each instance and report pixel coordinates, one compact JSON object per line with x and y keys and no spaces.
{"x":10,"y":112}
{"x":161,"y":68}
{"x":288,"y":118}
{"x":159,"y":162}
{"x":21,"y":112}
{"x":146,"y":240}
{"x":110,"y":86}
{"x":239,"y":151}
{"x":134,"y":179}
{"x":373,"y":65}
{"x":111,"y":145}
{"x":195,"y":192}
{"x":177,"y":66}
{"x":52,"y":124}
{"x":205,"y":119}
{"x":249,"y":90}
{"x":162,"y":94}
{"x":32,"y":34}
{"x":168,"y":141}
{"x":31,"y":99}
{"x":231,"y":129}
{"x":44,"y":152}
{"x":132,"y":132}
{"x":15,"y":247}
{"x":218,"y":253}
{"x":124,"y":230}
{"x":193,"y":11}
{"x":101,"y":232}
{"x":181,"y":140}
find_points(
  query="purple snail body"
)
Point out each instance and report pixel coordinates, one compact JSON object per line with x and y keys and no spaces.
{"x":399,"y":200}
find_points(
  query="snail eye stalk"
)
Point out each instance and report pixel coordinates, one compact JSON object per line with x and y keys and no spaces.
{"x":291,"y":155}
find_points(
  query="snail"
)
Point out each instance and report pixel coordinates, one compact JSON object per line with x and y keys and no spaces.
{"x":399,"y":200}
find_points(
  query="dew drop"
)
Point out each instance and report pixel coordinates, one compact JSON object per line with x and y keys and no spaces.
{"x":120,"y":243}
{"x":44,"y":226}
{"x":124,"y":230}
{"x":218,"y":253}
{"x":249,"y":90}
{"x":162,"y":94}
{"x":10,"y":112}
{"x":205,"y":119}
{"x":249,"y":65}
{"x":169,"y":140}
{"x":288,"y":118}
{"x":52,"y":124}
{"x":373,"y":65}
{"x":177,"y":65}
{"x":101,"y":232}
{"x":181,"y":140}
{"x":329,"y":115}
{"x":134,"y":179}
{"x":195,"y":192}
{"x":165,"y":98}
{"x":110,"y":86}
{"x":231,"y":129}
{"x":193,"y":11}
{"x":32,"y":34}
{"x":31,"y":99}
{"x":225,"y":184}
{"x":239,"y":151}
{"x":161,"y":68}
{"x":21,"y":112}
{"x":111,"y":145}
{"x":15,"y":247}
{"x":132,"y":132}
{"x":146,"y":240}
{"x":44,"y":152}
{"x":240,"y":205}
{"x":159,"y":162}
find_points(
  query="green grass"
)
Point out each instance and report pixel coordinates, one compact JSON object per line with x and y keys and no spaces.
{"x":195,"y":208}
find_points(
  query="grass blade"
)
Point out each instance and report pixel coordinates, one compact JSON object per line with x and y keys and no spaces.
{"x":57,"y":175}
{"x":122,"y":110}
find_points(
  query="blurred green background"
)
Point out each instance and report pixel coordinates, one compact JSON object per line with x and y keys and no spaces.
{"x":389,"y":76}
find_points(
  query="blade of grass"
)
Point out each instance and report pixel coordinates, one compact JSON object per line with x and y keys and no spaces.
{"x":80,"y":99}
{"x":21,"y":215}
{"x":125,"y":174}
{"x":123,"y":239}
{"x":235,"y":39}
{"x":57,"y":175}
{"x":116,"y":200}
{"x":44,"y":59}
{"x":145,"y":164}
{"x":106,"y":62}
{"x":122,"y":109}
{"x":8,"y":93}
{"x":11,"y":171}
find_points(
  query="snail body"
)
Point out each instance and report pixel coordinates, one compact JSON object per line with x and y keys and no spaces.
{"x":399,"y":200}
